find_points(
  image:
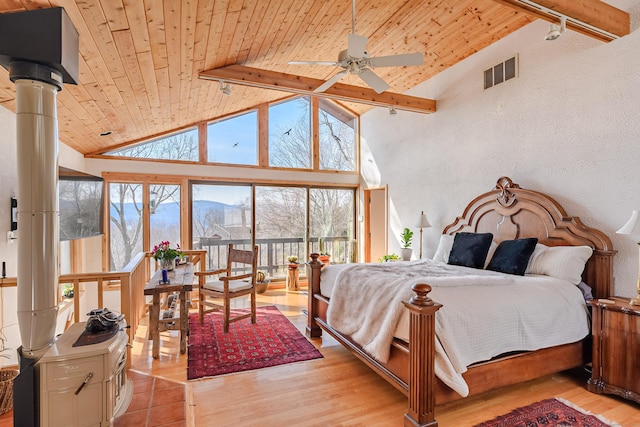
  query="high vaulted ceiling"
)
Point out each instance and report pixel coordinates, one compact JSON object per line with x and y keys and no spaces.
{"x":140,"y":60}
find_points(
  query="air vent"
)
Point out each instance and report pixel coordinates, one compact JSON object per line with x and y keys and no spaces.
{"x":501,"y":72}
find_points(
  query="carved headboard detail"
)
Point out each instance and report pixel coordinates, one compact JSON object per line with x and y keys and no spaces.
{"x":511,"y":212}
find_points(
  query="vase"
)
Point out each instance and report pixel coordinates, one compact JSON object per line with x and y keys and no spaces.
{"x":167,"y":263}
{"x":406,"y":253}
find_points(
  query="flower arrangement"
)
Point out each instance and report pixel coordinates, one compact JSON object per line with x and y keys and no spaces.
{"x":163,"y":251}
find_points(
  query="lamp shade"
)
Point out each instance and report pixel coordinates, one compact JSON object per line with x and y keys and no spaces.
{"x":632,"y":227}
{"x":423,"y":222}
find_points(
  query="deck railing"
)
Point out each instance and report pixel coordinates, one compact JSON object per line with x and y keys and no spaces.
{"x":273,"y":253}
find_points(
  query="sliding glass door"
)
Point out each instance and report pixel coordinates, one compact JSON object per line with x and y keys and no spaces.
{"x":281,"y":222}
{"x":220,"y":214}
{"x":331,"y":225}
{"x":287,"y":221}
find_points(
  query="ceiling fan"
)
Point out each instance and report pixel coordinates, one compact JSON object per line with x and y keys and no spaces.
{"x":356,"y":60}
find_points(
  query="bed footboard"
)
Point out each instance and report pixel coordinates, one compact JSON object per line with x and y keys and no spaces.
{"x":421,"y":385}
{"x":422,"y":377}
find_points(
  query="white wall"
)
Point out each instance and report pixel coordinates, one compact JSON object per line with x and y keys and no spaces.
{"x":568,"y":125}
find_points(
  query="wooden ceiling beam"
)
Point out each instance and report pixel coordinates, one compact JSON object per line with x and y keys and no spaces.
{"x":594,"y":13}
{"x":265,"y":79}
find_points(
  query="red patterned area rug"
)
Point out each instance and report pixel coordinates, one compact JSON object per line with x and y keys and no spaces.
{"x":271,"y":341}
{"x":549,"y":413}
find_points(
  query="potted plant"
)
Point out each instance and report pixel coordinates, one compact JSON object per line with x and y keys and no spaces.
{"x":293,"y":262}
{"x":166,"y":255}
{"x":325,"y":256}
{"x":407,"y":237}
{"x":389,"y":258}
{"x":262,"y":282}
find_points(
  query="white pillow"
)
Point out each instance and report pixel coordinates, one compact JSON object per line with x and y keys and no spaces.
{"x":444,"y":248}
{"x":563,"y":262}
{"x":536,"y":253}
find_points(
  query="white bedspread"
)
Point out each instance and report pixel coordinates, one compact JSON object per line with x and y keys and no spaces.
{"x":484,"y":313}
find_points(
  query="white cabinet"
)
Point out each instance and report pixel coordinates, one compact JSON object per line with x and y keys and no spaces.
{"x":106,"y":393}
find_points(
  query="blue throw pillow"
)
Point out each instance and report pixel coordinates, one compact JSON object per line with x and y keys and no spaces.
{"x":512,"y":256}
{"x":470,"y":249}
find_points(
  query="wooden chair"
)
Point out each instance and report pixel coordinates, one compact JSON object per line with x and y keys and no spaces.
{"x":228,"y":286}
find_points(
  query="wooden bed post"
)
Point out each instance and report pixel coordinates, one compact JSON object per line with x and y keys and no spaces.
{"x":422,"y":379}
{"x":313,"y":288}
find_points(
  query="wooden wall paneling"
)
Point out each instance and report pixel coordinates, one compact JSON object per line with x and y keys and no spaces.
{"x":198,"y":104}
{"x":188,"y":17}
{"x":172,"y":40}
{"x":232,"y":15}
{"x":135,"y":81}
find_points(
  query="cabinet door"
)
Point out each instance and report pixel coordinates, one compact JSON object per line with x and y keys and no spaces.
{"x":620,"y":347}
{"x":68,"y":409}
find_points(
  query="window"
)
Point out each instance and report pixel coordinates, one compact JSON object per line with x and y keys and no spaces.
{"x":337,"y":138}
{"x":125,"y":207}
{"x":234,"y":140}
{"x":221,"y":214}
{"x":290,"y":134}
{"x":281,"y":224}
{"x":177,"y":146}
{"x":164,"y":214}
{"x":332,"y":220}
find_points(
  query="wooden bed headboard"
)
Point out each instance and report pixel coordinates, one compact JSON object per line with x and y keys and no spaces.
{"x":511,"y":212}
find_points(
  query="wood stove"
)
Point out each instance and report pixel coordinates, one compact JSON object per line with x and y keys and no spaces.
{"x":84,"y":385}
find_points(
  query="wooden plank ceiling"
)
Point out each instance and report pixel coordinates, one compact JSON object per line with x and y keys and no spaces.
{"x":140,"y":60}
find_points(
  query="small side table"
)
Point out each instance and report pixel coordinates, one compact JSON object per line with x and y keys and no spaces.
{"x":616,"y":346}
{"x":181,"y":282}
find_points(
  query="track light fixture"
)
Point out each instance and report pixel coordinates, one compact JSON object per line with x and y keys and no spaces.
{"x":392,"y":110}
{"x":556,"y":30}
{"x":225,"y":88}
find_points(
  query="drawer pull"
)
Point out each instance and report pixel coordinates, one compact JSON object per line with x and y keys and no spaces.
{"x":84,"y":383}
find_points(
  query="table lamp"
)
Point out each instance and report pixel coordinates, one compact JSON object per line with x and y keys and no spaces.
{"x":632,"y":228}
{"x":422,"y":223}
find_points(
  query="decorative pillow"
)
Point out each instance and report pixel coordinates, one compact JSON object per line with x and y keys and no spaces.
{"x":512,"y":256}
{"x":444,"y":247}
{"x":536,"y":252}
{"x":470,"y":249}
{"x":563,"y":262}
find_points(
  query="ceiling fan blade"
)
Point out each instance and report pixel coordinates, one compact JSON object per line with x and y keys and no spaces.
{"x":326,"y":85}
{"x":397,"y":60}
{"x":357,"y":45}
{"x":332,"y":63}
{"x":375,"y":82}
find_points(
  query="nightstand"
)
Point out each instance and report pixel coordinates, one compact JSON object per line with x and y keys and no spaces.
{"x":616,"y":348}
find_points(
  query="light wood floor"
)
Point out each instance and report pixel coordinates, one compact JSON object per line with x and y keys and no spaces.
{"x":351,"y":394}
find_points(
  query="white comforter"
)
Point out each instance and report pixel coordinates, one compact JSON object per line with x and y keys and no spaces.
{"x":484,"y":313}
